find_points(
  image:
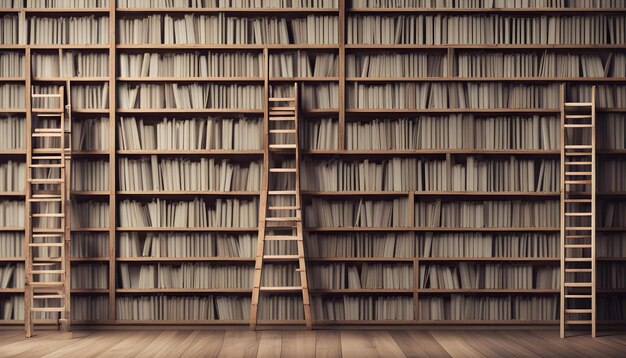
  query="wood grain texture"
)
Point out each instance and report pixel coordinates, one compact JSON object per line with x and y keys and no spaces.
{"x":317,"y":343}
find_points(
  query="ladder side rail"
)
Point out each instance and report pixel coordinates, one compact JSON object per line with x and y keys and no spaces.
{"x":593,"y":211}
{"x":562,"y":213}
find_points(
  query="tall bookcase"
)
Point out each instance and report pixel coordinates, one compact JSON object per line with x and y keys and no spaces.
{"x":407,"y":302}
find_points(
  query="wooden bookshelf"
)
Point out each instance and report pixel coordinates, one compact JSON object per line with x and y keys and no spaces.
{"x":342,"y":115}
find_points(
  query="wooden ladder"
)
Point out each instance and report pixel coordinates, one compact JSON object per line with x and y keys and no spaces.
{"x":578,"y":213}
{"x":280,"y":215}
{"x":47,"y":286}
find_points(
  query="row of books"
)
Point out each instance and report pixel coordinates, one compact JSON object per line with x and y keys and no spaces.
{"x":89,"y":214}
{"x":460,"y":307}
{"x":276,"y":4}
{"x":611,"y":172}
{"x":12,"y":95}
{"x":70,"y":64}
{"x":459,"y":245}
{"x":89,"y":244}
{"x":90,"y":175}
{"x":12,"y":276}
{"x":222,"y":29}
{"x":12,"y":33}
{"x":12,"y":176}
{"x":353,"y":308}
{"x":12,"y":307}
{"x":606,"y":96}
{"x":12,"y":132}
{"x":85,"y":30}
{"x":389,"y":64}
{"x":487,"y":4}
{"x":182,"y":308}
{"x":484,"y":214}
{"x":196,"y":213}
{"x":453,"y":95}
{"x":91,"y":134}
{"x":11,"y":244}
{"x":319,"y":134}
{"x":303,"y":64}
{"x":611,"y":131}
{"x":362,"y":213}
{"x":485,"y":29}
{"x":90,"y":276}
{"x":188,"y":276}
{"x":200,"y":244}
{"x":479,"y":174}
{"x":11,"y":213}
{"x":90,"y":308}
{"x":488,"y":276}
{"x":90,"y":96}
{"x":191,"y":134}
{"x":611,"y":245}
{"x":395,"y":174}
{"x":189,"y":96}
{"x":365,"y":276}
{"x":613,"y":214}
{"x":192,"y":64}
{"x":611,"y":275}
{"x":179,"y":174}
{"x":454,"y":132}
{"x":546,"y":64}
{"x":11,"y":64}
{"x":58,"y":4}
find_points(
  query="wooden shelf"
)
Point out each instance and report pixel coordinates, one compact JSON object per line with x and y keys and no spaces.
{"x":190,"y":79}
{"x":10,"y":228}
{"x":11,"y":193}
{"x":533,"y":47}
{"x":90,"y":259}
{"x":187,"y":193}
{"x":497,"y":194}
{"x":418,"y":111}
{"x":91,"y":193}
{"x":536,"y":11}
{"x":15,"y":152}
{"x":442,"y":152}
{"x":486,"y":290}
{"x":184,"y":290}
{"x":371,"y":291}
{"x":71,"y":79}
{"x":435,"y":229}
{"x":179,"y":47}
{"x":487,"y":79}
{"x":186,"y":259}
{"x":90,"y":229}
{"x":162,"y":111}
{"x":183,"y":229}
{"x":230,"y":11}
{"x":190,"y":152}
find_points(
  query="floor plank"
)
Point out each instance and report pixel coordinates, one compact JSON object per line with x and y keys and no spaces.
{"x":355,"y":344}
{"x":207,"y":344}
{"x":328,"y":344}
{"x":270,"y":345}
{"x":240,"y":343}
{"x":298,"y":343}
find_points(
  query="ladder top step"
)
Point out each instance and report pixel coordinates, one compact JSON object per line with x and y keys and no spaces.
{"x":281,"y":257}
{"x":282,"y":238}
{"x":282,"y":99}
{"x":275,"y":219}
{"x":281,"y":289}
{"x":281,"y":192}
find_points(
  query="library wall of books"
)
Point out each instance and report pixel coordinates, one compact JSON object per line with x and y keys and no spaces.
{"x":430,"y":166}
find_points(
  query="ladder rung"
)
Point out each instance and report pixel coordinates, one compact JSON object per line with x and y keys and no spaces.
{"x":46,"y":181}
{"x":275,"y":219}
{"x":577,"y":246}
{"x":580,"y":154}
{"x":288,"y":108}
{"x":578,"y":173}
{"x":53,"y":260}
{"x":283,"y":208}
{"x":578,"y":163}
{"x":577,"y":116}
{"x":43,"y":272}
{"x":578,"y":228}
{"x":47,"y":309}
{"x":46,"y":166}
{"x":282,"y":238}
{"x":578,"y":321}
{"x":577,"y":200}
{"x":578,"y":236}
{"x":47,"y":235}
{"x":48,"y":229}
{"x":577,"y":284}
{"x":578,"y":146}
{"x":281,"y":257}
{"x":282,"y":146}
{"x":578,"y":296}
{"x":578,"y":259}
{"x":48,"y":215}
{"x":43,"y":297}
{"x":570,"y":270}
{"x":578,"y":310}
{"x":578,"y":182}
{"x":46,"y":95}
{"x":45,"y":244}
{"x":50,"y":114}
{"x":282,"y":118}
{"x":282,"y":170}
{"x":46,"y":157}
{"x":47,"y":284}
{"x":43,"y":135}
{"x":48,"y":130}
{"x":282,"y":131}
{"x":44,"y":200}
{"x":41,"y":264}
{"x":578,"y":214}
{"x":281,"y":289}
{"x":281,"y":99}
{"x":281,"y":192}
{"x":578,"y":126}
{"x":578,"y":104}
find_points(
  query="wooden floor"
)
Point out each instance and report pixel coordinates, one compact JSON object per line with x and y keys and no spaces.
{"x":317,"y":343}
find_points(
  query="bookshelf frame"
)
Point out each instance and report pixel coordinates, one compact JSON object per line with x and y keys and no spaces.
{"x":342,"y":114}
